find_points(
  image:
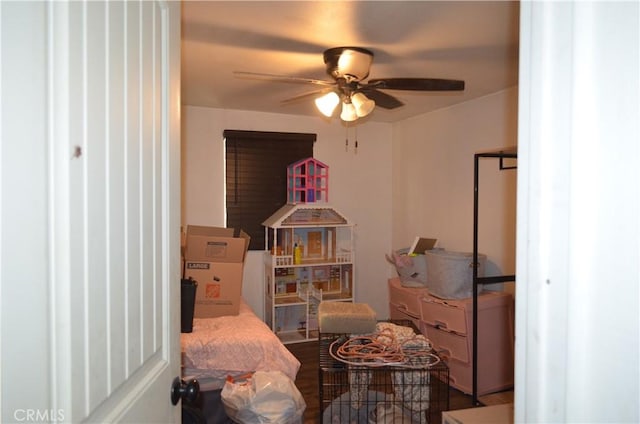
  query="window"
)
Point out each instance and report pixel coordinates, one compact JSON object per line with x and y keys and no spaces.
{"x":256,"y":176}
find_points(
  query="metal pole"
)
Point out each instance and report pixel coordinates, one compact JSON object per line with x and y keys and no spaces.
{"x":474,"y":365}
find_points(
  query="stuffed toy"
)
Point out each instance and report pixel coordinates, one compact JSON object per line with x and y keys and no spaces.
{"x":412,"y":270}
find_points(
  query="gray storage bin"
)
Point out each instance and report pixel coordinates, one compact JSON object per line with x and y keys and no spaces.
{"x":450,"y":274}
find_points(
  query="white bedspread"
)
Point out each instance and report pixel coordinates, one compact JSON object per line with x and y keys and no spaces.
{"x":233,"y":345}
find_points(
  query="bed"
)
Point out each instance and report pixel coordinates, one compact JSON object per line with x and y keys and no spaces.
{"x":233,"y":345}
{"x":229,"y":345}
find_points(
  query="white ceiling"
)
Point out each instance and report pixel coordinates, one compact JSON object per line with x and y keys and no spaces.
{"x":473,"y":41}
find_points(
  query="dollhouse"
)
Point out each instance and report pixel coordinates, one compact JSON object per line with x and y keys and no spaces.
{"x":309,"y":254}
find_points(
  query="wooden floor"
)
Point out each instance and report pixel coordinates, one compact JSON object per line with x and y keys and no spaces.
{"x":307,"y":382}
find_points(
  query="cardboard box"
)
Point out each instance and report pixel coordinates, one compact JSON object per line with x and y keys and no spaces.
{"x":214,"y":257}
{"x":215,"y":244}
{"x":496,"y":414}
{"x":219,"y":287}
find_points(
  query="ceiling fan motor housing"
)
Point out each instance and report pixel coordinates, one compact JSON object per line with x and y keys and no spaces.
{"x":350,"y":63}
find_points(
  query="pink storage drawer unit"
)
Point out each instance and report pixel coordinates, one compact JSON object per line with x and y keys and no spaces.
{"x":449,"y":326}
{"x":404,"y":302}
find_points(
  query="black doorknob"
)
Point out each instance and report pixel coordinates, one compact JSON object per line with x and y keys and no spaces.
{"x":188,"y":391}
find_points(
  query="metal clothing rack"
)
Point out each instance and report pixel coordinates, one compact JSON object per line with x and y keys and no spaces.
{"x":502,"y":154}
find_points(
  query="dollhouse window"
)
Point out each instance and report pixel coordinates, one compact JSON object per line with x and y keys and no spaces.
{"x":256,"y":176}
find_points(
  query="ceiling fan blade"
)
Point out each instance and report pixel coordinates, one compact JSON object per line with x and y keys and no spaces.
{"x":417,"y":84}
{"x":283,"y":78}
{"x":383,"y":100}
{"x":316,"y":93}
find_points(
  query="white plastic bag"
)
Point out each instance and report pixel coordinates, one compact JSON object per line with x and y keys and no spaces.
{"x":265,"y":397}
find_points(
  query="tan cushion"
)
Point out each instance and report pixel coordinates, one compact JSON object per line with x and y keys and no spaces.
{"x":346,"y":318}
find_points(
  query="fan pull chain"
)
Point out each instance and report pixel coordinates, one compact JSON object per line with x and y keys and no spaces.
{"x":346,"y":140}
{"x":355,"y":150}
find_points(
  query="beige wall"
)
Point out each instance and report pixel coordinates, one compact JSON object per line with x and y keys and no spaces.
{"x":433,"y":160}
{"x":359,"y":186}
{"x":411,"y":178}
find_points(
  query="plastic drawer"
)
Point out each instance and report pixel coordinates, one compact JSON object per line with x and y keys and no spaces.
{"x":448,"y":344}
{"x":405,"y":299}
{"x":492,"y":377}
{"x":397,"y":312}
{"x":456,"y":314}
{"x":450,"y":315}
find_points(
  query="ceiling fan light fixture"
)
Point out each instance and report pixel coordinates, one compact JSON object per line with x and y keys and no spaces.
{"x":348,"y":112}
{"x":327,"y":104}
{"x":363,"y":104}
{"x":351,"y":63}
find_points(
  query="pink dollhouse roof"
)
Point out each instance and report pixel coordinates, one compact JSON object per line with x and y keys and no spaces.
{"x":307,"y":160}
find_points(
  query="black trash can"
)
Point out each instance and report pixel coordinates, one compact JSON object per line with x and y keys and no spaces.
{"x":188,"y":303}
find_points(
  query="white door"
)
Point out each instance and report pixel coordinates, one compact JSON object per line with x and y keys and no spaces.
{"x":578,"y":288}
{"x":89,"y":189}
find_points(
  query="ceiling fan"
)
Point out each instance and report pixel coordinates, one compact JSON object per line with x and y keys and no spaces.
{"x":349,"y":67}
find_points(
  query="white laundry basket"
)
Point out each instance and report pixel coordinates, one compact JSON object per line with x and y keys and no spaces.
{"x":450,"y":274}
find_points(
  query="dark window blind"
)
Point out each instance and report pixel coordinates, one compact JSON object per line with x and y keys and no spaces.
{"x":256,"y":176}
